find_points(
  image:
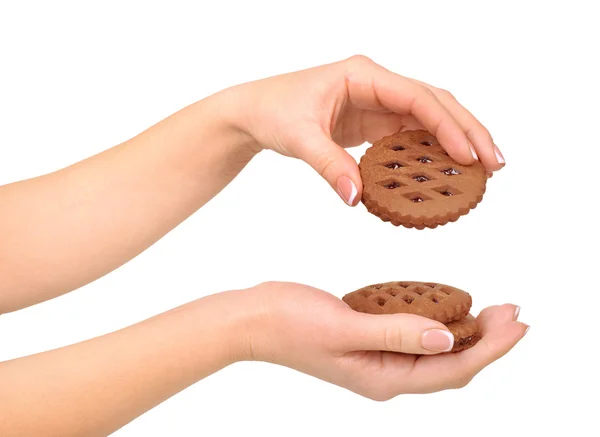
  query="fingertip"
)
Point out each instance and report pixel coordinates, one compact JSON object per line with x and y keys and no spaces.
{"x":509,"y":311}
{"x":462,"y":152}
{"x":499,"y":157}
{"x":505,"y":337}
{"x":405,"y":333}
{"x":462,"y":158}
{"x":470,"y":156}
{"x":437,"y":340}
{"x":495,"y":161}
{"x":495,"y":316}
{"x":473,"y":152}
{"x":488,"y":153}
{"x":348,"y":190}
{"x":515,"y":331}
{"x":334,"y":165}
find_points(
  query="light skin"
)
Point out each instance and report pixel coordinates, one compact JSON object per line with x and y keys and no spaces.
{"x":80,"y":223}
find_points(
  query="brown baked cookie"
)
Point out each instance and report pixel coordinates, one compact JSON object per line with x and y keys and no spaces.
{"x":409,"y":180}
{"x":435,"y":301}
{"x":465,"y":333}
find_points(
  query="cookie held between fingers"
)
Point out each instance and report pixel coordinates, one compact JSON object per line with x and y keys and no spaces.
{"x":409,"y":180}
{"x":443,"y":303}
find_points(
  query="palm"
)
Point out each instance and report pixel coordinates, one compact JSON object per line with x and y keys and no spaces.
{"x":353,"y":126}
{"x":318,"y":334}
{"x":428,"y":373}
{"x":355,"y":123}
{"x":417,"y":374}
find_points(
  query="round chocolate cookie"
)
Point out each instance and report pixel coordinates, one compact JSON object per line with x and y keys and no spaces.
{"x":409,"y":180}
{"x":435,"y":301}
{"x":465,"y":333}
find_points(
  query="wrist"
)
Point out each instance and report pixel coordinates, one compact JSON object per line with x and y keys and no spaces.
{"x":237,"y":318}
{"x":233,"y":108}
{"x":252,"y":331}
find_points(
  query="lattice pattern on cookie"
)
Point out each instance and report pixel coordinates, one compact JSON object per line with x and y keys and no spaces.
{"x":437,"y":301}
{"x":421,"y":174}
{"x":409,"y":180}
{"x":407,"y":292}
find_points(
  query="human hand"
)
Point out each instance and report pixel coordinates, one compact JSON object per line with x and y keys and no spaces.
{"x":313,"y":114}
{"x":373,"y":355}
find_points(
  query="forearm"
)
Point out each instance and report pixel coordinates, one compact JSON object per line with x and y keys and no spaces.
{"x":63,"y":230}
{"x":95,"y":387}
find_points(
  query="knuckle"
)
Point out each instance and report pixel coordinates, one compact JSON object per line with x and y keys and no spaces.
{"x":462,"y":381}
{"x":324,"y":161}
{"x":426,"y":93}
{"x":379,"y":389}
{"x":380,"y":398}
{"x":445,"y":93}
{"x":392,"y":339}
{"x":359,"y":61}
{"x":480,"y":132}
{"x":380,"y":395}
{"x":486,"y":133}
{"x":270,"y":285}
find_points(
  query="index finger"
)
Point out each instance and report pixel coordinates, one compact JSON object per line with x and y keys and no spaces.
{"x":455,"y":370}
{"x":372,"y":87}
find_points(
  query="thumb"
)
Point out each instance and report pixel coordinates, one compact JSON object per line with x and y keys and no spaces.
{"x":405,"y":333}
{"x":334,"y":164}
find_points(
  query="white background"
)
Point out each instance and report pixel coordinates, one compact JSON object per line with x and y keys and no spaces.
{"x":76,"y":79}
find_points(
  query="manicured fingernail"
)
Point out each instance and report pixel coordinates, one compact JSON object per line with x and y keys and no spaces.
{"x":517,"y":311}
{"x":437,"y":340}
{"x":475,"y":157}
{"x":346,"y":189}
{"x":526,"y":330}
{"x":499,"y":156}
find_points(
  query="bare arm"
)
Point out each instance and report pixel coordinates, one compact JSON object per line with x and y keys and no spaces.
{"x":95,"y":387}
{"x":65,"y":229}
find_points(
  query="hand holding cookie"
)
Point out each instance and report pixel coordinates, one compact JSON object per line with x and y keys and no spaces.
{"x":313,"y":114}
{"x":423,"y":170}
{"x":378,"y":355}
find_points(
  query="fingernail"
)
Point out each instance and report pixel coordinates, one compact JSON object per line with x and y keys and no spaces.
{"x":437,"y":340}
{"x":475,"y":157}
{"x":517,"y":311}
{"x":526,"y":330}
{"x":346,"y":189}
{"x":499,"y":156}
